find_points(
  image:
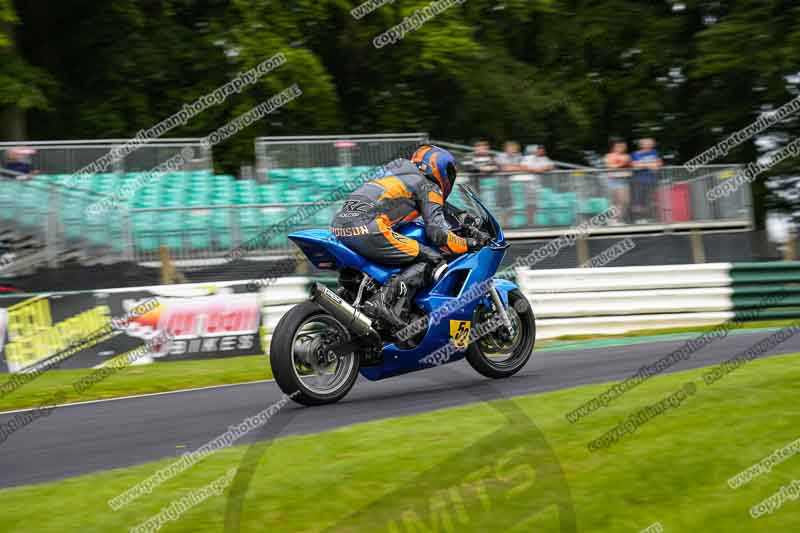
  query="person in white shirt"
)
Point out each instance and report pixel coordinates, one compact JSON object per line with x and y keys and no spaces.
{"x":536,"y":159}
{"x":536,"y":162}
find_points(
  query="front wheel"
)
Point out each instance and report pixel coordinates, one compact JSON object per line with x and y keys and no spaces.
{"x":304,"y":366}
{"x":500,"y":355}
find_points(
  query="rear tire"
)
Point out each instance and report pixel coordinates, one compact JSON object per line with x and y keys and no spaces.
{"x":288,"y":358}
{"x":518,"y":354}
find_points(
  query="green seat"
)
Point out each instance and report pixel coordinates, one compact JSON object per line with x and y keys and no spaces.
{"x":8,"y":199}
{"x":543,"y":217}
{"x":338,"y":173}
{"x":170,"y":229}
{"x":197,"y":200}
{"x":594,"y":206}
{"x":144,"y":230}
{"x":519,"y":220}
{"x":97,"y":233}
{"x":294,"y":196}
{"x":220,"y":200}
{"x":197,"y":224}
{"x":519,"y":195}
{"x":271,"y":194}
{"x":277,"y":173}
{"x":221,"y":181}
{"x":220,"y":225}
{"x":32,"y":202}
{"x":246,"y":199}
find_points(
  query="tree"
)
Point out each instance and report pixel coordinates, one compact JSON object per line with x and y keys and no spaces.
{"x":22,"y":87}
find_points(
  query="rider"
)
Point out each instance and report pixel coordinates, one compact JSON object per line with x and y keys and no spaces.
{"x":418,"y":187}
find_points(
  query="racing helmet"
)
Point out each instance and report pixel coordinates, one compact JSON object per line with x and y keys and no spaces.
{"x":438,"y":165}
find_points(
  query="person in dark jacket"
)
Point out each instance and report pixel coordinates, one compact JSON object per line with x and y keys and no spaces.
{"x":415,"y":188}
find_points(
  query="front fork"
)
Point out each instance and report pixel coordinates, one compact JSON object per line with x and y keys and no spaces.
{"x":501,"y":310}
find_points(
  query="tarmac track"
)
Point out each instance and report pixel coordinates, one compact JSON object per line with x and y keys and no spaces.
{"x":86,"y":438}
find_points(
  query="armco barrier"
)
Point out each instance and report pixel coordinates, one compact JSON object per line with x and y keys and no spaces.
{"x":204,"y":319}
{"x":227,"y":319}
{"x":617,"y":300}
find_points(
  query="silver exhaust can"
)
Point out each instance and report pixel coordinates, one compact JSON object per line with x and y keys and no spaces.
{"x":352,"y":318}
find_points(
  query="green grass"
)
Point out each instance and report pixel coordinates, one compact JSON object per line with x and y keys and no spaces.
{"x":484,"y":467}
{"x":163,"y":377}
{"x":157,"y":377}
{"x":758,"y":324}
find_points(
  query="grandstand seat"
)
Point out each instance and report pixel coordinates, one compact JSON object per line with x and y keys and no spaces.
{"x":197,"y":224}
{"x":270,"y":194}
{"x":145,"y":231}
{"x":277,"y":174}
{"x":170,"y":229}
{"x":594,"y":206}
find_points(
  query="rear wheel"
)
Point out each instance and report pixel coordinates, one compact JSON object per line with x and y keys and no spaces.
{"x":304,"y":366}
{"x":498,"y":354}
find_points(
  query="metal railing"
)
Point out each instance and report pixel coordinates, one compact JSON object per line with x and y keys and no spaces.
{"x":210,"y":232}
{"x":528,"y":205}
{"x":462,"y":151}
{"x":318,"y":151}
{"x":55,"y":216}
{"x":67,"y":157}
{"x":668,"y":197}
{"x":524,"y":202}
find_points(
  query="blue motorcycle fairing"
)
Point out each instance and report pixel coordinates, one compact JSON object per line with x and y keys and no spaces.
{"x":455,"y":296}
{"x":476,"y":267}
{"x":503,"y":287}
{"x":326,"y":252}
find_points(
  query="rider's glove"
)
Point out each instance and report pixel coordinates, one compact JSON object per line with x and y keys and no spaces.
{"x":468,"y":219}
{"x":478,"y":241}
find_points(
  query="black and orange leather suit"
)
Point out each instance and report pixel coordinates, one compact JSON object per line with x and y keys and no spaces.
{"x":365,"y":222}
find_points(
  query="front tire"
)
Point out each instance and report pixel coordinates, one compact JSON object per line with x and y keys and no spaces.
{"x":497,"y":358}
{"x":302,"y":368}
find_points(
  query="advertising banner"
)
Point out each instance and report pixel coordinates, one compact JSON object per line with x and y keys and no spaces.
{"x":86,"y":329}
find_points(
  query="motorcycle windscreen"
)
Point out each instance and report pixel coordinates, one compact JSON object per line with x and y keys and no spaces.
{"x":473,"y":204}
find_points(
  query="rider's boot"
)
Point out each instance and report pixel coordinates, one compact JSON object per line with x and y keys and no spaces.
{"x":394,"y":301}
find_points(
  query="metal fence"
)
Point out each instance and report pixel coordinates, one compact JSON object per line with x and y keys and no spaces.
{"x":463,"y":151}
{"x":332,"y":151}
{"x":66,"y":157}
{"x":669,"y":196}
{"x":527,"y":205}
{"x":211,"y":232}
{"x":56,"y":217}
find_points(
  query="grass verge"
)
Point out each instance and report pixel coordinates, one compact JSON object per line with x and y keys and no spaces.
{"x":143,"y":379}
{"x":163,"y":377}
{"x":486,"y":467}
{"x":759,"y":324}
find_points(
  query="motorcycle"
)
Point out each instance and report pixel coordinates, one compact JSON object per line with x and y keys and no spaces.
{"x":320,"y":346}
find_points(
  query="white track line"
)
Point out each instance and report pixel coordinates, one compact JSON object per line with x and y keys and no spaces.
{"x":135,"y":396}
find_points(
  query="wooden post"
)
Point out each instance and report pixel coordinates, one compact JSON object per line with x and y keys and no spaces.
{"x":698,"y":248}
{"x":790,"y":252}
{"x":582,"y":248}
{"x":169,"y":275}
{"x":300,"y":260}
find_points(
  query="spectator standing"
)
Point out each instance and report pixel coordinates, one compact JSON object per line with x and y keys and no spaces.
{"x":508,"y":161}
{"x":616,"y":160}
{"x":646,"y":161}
{"x":536,"y":162}
{"x":511,"y":159}
{"x":15,"y":162}
{"x":536,"y":159}
{"x":479,"y":164}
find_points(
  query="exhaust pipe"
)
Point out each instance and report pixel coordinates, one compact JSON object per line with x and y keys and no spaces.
{"x":353,"y":319}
